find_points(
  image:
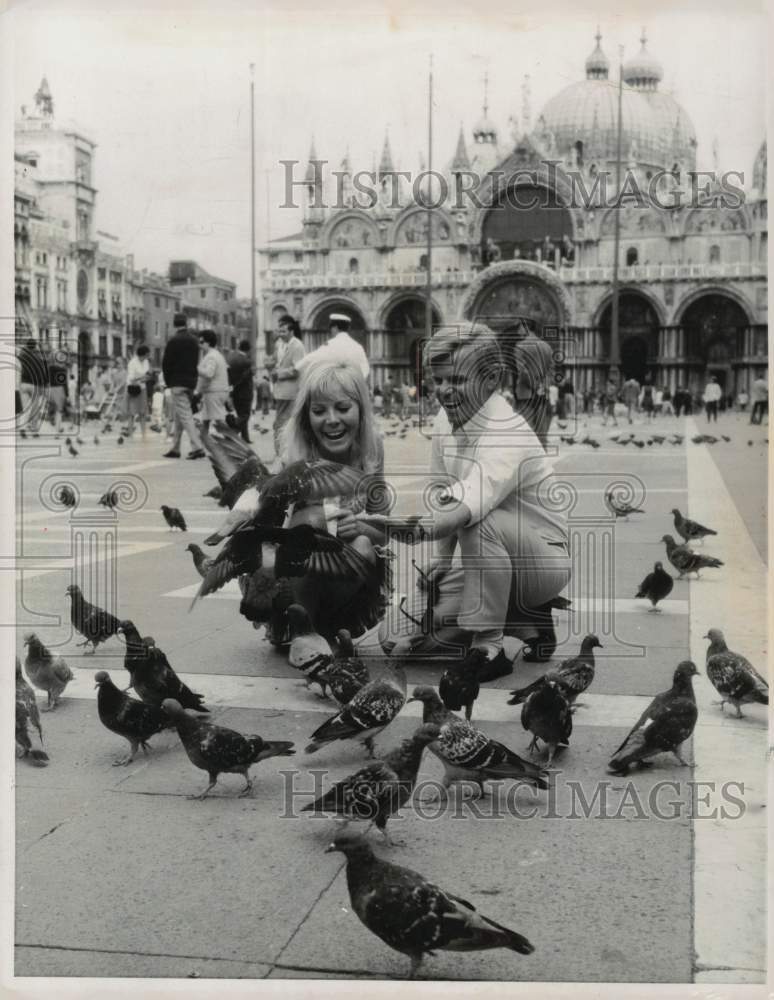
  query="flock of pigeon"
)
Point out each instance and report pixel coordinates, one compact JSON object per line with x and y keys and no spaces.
{"x":409,"y":913}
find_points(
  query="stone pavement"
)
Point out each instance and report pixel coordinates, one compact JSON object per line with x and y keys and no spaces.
{"x":118,"y":874}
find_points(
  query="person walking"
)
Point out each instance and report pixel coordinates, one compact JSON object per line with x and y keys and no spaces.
{"x":137,"y":377}
{"x":388,"y":392}
{"x":263,"y":394}
{"x":631,"y":397}
{"x":178,"y":366}
{"x":759,"y":395}
{"x":609,"y":399}
{"x":240,"y":377}
{"x":648,"y":400}
{"x":290,"y":352}
{"x":57,"y":389}
{"x":212,"y":384}
{"x":666,"y":402}
{"x":712,"y":396}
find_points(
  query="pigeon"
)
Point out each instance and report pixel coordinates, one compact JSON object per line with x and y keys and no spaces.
{"x":371,"y":710}
{"x":309,"y":652}
{"x":664,"y":725}
{"x":656,"y":586}
{"x":347,"y":673}
{"x":218,"y":750}
{"x":378,"y":790}
{"x":173,"y":517}
{"x":66,"y":496}
{"x":132,"y":719}
{"x":47,"y":672}
{"x":733,"y":676}
{"x":236,"y":466}
{"x":202,"y":562}
{"x":119,"y":439}
{"x":466,"y":753}
{"x":690,"y":531}
{"x":414,"y":916}
{"x":79,"y":441}
{"x":153,"y":678}
{"x":216,"y":493}
{"x":638,"y":444}
{"x":726,"y":438}
{"x":459,"y":686}
{"x":573,"y":676}
{"x":620,"y":507}
{"x":24,"y":748}
{"x":547,"y":715}
{"x":109,"y":499}
{"x":26,"y":696}
{"x":94,"y":624}
{"x":685,"y":560}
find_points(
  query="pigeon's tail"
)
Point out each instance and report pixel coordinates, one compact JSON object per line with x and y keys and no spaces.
{"x":39,"y":758}
{"x":215,"y":539}
{"x":708,"y":531}
{"x":272,"y":748}
{"x":335,"y":728}
{"x":560,"y":604}
{"x":511,"y":939}
{"x":521,"y":694}
{"x":761,"y":697}
{"x":709,"y":562}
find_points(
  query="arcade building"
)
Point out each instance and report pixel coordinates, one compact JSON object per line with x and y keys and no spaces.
{"x":534,"y":255}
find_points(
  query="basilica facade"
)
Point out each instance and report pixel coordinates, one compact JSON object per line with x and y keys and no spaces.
{"x":523,"y":237}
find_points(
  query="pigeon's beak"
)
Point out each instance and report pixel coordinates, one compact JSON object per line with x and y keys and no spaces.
{"x":705,"y":636}
{"x":409,"y":700}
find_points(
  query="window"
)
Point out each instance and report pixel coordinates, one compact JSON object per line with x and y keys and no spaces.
{"x":156,"y":330}
{"x":202,"y":293}
{"x":631,"y":256}
{"x":41,"y":292}
{"x":157,"y":300}
{"x":103,"y":345}
{"x":157,"y":357}
{"x":354,"y":265}
{"x":233,"y":343}
{"x":115,"y":277}
{"x":101,"y":304}
{"x":298,"y":257}
{"x":101,"y":273}
{"x":714,"y":254}
{"x":117,"y":347}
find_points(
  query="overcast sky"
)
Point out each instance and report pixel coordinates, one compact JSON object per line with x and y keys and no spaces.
{"x":165,"y":94}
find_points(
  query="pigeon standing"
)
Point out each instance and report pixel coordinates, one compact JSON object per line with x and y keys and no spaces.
{"x":656,"y":586}
{"x":733,"y":676}
{"x":378,"y":790}
{"x":459,"y":685}
{"x":202,"y":562}
{"x":414,"y":916}
{"x":153,"y":678}
{"x":573,"y":675}
{"x":47,"y":672}
{"x":93,"y":623}
{"x":546,"y":713}
{"x":685,"y":560}
{"x":347,"y":674}
{"x":109,"y":499}
{"x":620,"y":507}
{"x":26,"y":696}
{"x":371,"y":710}
{"x":218,"y":750}
{"x":665,"y":724}
{"x":134,"y":720}
{"x":66,"y":496}
{"x":690,"y":531}
{"x":309,"y":652}
{"x":173,"y":517}
{"x":24,"y":748}
{"x":466,"y":753}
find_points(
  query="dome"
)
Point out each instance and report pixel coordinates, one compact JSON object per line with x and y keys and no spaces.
{"x":643,"y":70}
{"x":485,"y":130}
{"x":597,"y":64}
{"x":676,"y":129}
{"x":759,"y":170}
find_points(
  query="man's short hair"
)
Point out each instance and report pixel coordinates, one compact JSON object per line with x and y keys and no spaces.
{"x":448,"y":340}
{"x":244,"y":345}
{"x":143,"y":350}
{"x":209,"y":337}
{"x":179,"y":319}
{"x":291,"y":323}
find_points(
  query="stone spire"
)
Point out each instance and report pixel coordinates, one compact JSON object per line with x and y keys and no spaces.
{"x":385,"y":164}
{"x":461,"y":161}
{"x":43,"y":99}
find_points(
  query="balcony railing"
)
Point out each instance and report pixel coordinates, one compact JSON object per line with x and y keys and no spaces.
{"x":386,"y":279}
{"x":663,"y":272}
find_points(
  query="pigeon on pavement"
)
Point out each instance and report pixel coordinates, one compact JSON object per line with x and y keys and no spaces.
{"x":690,"y":531}
{"x":153,"y":678}
{"x":94,"y":624}
{"x":573,"y":675}
{"x":218,"y":750}
{"x":309,"y":652}
{"x":414,"y":916}
{"x":378,"y":790}
{"x":66,"y":496}
{"x":665,"y":724}
{"x":371,"y":710}
{"x":134,"y":720}
{"x":109,"y":499}
{"x":620,"y":507}
{"x":173,"y":517}
{"x":347,"y":674}
{"x":47,"y":672}
{"x":459,"y":685}
{"x":26,"y":696}
{"x":202,"y":562}
{"x":685,"y":560}
{"x":466,"y":753}
{"x":656,"y":586}
{"x":24,"y":748}
{"x":733,"y":676}
{"x":547,"y":715}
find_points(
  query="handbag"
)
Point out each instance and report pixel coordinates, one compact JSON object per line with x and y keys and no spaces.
{"x":134,"y":390}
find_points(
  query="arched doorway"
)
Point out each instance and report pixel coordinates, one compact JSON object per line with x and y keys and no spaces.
{"x":527,"y":223}
{"x":321,"y":323}
{"x":714,"y":327}
{"x":638,"y":326}
{"x":405,"y":335}
{"x":516,"y":300}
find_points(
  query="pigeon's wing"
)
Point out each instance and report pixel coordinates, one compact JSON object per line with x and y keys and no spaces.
{"x":734,"y":676}
{"x":226,"y":454}
{"x":303,"y":483}
{"x":362,"y":795}
{"x":463,"y":746}
{"x":98,"y":623}
{"x":140,"y":719}
{"x":214,"y":747}
{"x":241,"y":554}
{"x":22,"y":735}
{"x":575,"y":677}
{"x":373,"y":707}
{"x":60,"y":670}
{"x":646,"y":587}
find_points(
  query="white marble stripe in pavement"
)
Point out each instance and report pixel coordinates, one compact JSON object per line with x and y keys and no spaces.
{"x":729,"y":864}
{"x":57,"y":564}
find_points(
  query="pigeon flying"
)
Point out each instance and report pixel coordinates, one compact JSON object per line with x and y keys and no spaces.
{"x":134,"y":720}
{"x":173,"y":517}
{"x":413,"y":916}
{"x":47,"y":672}
{"x":656,"y":586}
{"x":690,"y":531}
{"x":733,"y":676}
{"x":218,"y":750}
{"x":665,"y":724}
{"x":685,"y":560}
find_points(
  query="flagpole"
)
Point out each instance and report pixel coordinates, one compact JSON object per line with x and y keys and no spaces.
{"x":615,"y":347}
{"x":253,"y":309}
{"x":429,"y":275}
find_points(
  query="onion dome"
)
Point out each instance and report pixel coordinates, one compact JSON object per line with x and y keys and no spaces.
{"x":597,"y":64}
{"x":643,"y":71}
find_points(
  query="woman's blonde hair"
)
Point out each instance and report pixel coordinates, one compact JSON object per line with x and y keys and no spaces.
{"x":329,"y":379}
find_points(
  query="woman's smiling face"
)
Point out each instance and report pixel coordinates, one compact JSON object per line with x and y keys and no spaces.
{"x":335,"y":422}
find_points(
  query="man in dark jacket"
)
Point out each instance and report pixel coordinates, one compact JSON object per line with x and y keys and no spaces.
{"x":181,"y":357}
{"x":240,"y":378}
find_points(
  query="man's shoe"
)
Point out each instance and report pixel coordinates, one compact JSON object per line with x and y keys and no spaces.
{"x":171,"y":454}
{"x":500,"y":666}
{"x":196,"y":453}
{"x":541,"y":648}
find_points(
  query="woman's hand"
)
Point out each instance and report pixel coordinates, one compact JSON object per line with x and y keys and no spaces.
{"x":348,"y":527}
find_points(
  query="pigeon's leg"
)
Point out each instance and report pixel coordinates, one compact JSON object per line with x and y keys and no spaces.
{"x":416,"y":961}
{"x":122,"y":761}
{"x":482,"y":792}
{"x":84,"y":643}
{"x":679,"y":756}
{"x":247,"y":790}
{"x":738,"y":708}
{"x":368,"y":742}
{"x":469,"y":711}
{"x":654,"y":610}
{"x":722,"y":704}
{"x":532,"y":748}
{"x":213,"y":780}
{"x":551,"y":752}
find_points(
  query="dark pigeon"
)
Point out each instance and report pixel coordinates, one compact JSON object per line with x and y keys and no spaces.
{"x":66,"y":496}
{"x":546,"y":713}
{"x":410,"y":914}
{"x":685,"y":560}
{"x":573,"y":675}
{"x":459,"y":686}
{"x":110,"y":498}
{"x":153,"y":678}
{"x":690,"y":531}
{"x":656,"y":586}
{"x":620,"y":507}
{"x":134,"y":720}
{"x":665,"y":724}
{"x":733,"y":676}
{"x":94,"y":624}
{"x":347,"y":674}
{"x":218,"y":750}
{"x":174,"y":518}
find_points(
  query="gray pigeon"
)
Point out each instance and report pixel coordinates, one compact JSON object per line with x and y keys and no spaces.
{"x":690,"y":531}
{"x":685,"y":560}
{"x":733,"y":676}
{"x":412,"y":915}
